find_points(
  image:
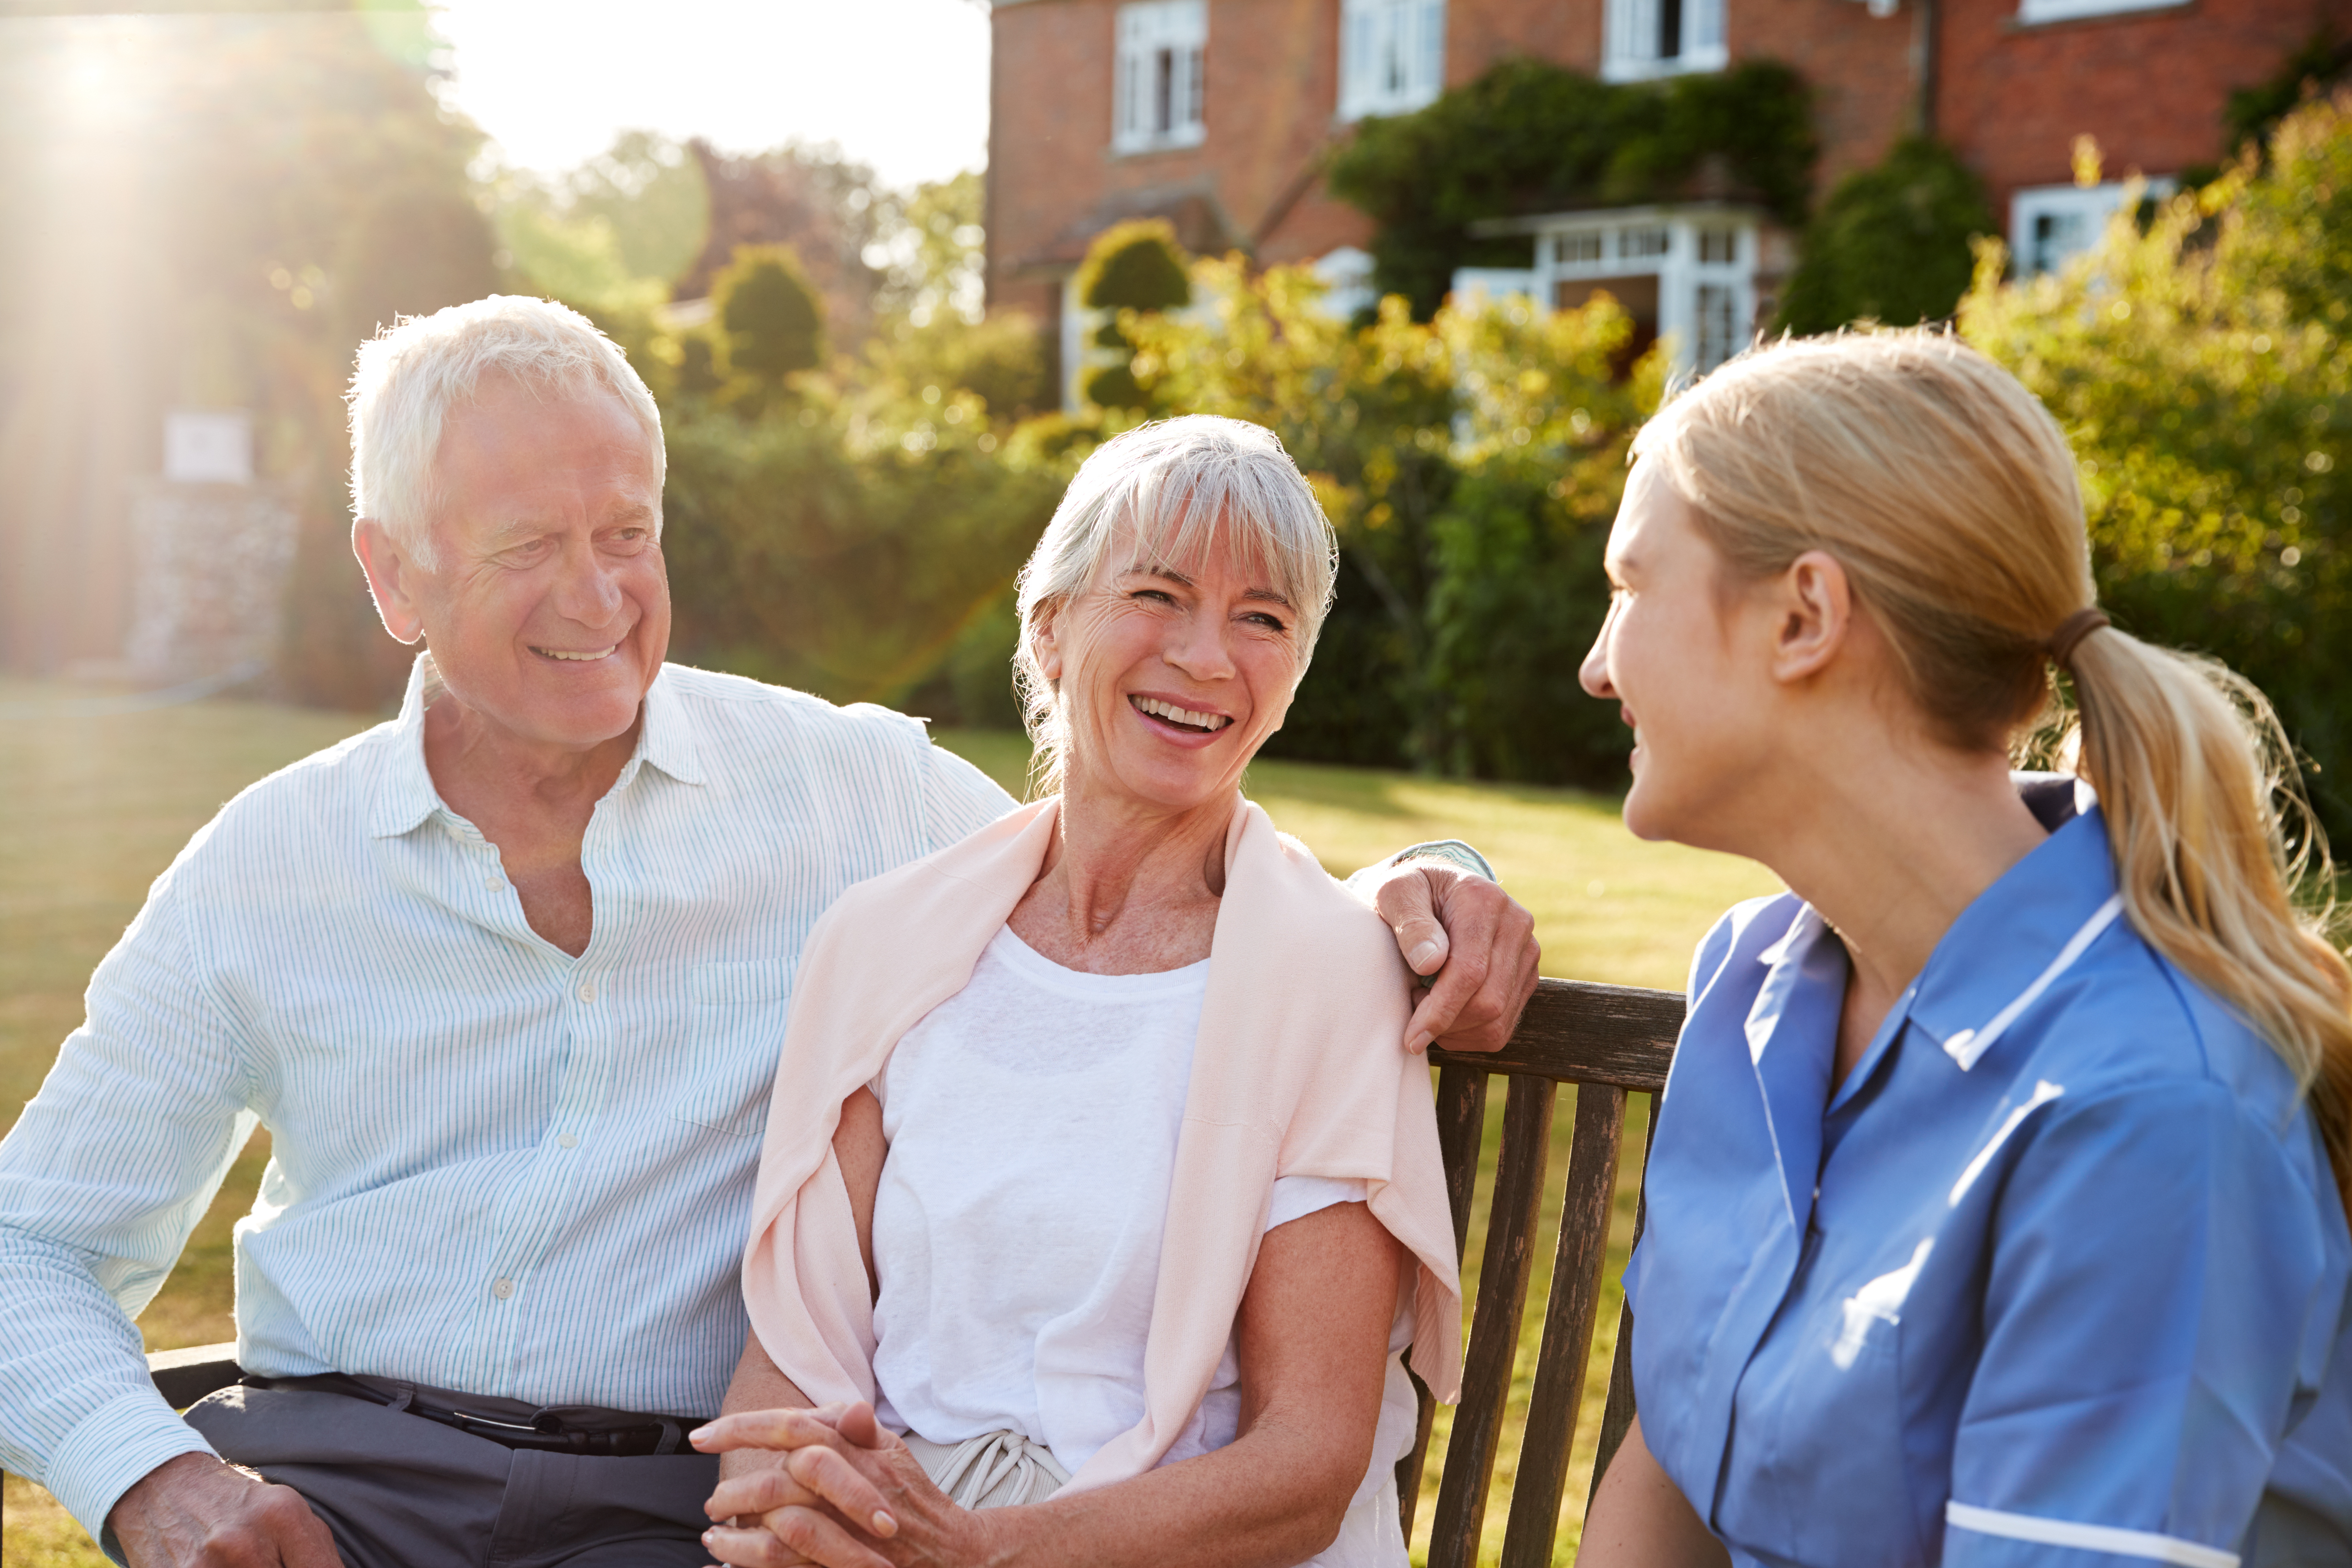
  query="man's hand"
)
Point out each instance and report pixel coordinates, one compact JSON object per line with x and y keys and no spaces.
{"x":1474,"y":938}
{"x":197,"y":1511}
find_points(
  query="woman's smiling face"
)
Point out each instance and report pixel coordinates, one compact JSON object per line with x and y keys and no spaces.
{"x":1668,"y":655}
{"x":1171,"y":673}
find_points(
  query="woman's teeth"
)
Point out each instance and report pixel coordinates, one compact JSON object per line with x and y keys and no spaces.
{"x":1174,"y":714}
{"x":559,"y":654}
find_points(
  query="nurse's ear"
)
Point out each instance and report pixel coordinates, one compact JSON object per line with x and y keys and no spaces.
{"x":1813,"y":616}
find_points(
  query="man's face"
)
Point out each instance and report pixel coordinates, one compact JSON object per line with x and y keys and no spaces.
{"x":548,"y":613}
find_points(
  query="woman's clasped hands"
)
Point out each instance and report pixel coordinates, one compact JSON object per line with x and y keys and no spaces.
{"x":847,"y":1493}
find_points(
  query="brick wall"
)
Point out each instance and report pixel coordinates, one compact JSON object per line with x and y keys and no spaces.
{"x":2150,"y":86}
{"x":1271,"y":69}
{"x":1860,"y":66}
{"x":1483,"y":33}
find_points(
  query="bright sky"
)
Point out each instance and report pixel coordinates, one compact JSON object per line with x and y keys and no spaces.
{"x":901,"y":84}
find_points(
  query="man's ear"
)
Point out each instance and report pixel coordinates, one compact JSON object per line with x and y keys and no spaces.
{"x":1813,"y":609}
{"x":391,"y":575}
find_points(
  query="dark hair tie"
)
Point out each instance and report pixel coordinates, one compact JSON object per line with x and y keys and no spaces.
{"x":2071,"y":632}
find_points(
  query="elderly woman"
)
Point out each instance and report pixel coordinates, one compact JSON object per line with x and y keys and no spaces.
{"x":1097,"y":1201}
{"x":1994,"y":1206}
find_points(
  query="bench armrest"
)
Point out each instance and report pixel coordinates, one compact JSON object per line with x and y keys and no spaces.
{"x":184,"y":1376}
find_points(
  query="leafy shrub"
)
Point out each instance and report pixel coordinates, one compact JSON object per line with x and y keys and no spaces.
{"x":1471,"y":466}
{"x":774,"y":320}
{"x":1003,"y":359}
{"x":1531,"y":137}
{"x":846,"y":544}
{"x":2203,"y":370}
{"x":1891,"y":243}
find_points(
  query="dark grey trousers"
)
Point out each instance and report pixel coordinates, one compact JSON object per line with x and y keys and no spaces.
{"x":400,"y":1492}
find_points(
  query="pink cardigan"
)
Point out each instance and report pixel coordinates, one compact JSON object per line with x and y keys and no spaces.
{"x":1298,"y":1071}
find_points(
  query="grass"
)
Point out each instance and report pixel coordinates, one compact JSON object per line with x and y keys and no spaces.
{"x":95,"y":807}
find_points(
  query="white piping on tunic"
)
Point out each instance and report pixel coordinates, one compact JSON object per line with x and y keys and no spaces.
{"x":2043,"y":1092}
{"x":2144,"y":1543}
{"x":1970,"y":1044}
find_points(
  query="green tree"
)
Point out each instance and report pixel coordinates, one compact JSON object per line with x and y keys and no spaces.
{"x":1471,"y":466}
{"x":1892,"y":244}
{"x":2203,"y":370}
{"x":210,"y":209}
{"x":772,"y":318}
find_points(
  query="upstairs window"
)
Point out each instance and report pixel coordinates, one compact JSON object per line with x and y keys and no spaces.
{"x":1391,"y":56}
{"x":1661,"y":38}
{"x":1162,"y":75}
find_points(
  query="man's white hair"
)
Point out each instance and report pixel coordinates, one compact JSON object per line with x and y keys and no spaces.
{"x":413,"y":372}
{"x":1155,"y":494}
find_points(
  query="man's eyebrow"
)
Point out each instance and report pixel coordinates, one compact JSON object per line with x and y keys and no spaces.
{"x":640,"y":513}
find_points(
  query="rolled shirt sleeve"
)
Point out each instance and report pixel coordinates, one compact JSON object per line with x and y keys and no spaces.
{"x":2155,"y":1252}
{"x":101,"y":1179}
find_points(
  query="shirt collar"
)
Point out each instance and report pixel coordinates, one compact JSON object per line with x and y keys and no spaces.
{"x":405,"y":797}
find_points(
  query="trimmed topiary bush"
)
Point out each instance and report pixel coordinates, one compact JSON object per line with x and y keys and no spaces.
{"x":773,"y":321}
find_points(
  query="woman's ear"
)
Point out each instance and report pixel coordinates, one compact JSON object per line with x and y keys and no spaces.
{"x":1045,"y":641}
{"x":1813,"y":605}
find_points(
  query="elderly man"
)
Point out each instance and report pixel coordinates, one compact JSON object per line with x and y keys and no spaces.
{"x":505,"y":978}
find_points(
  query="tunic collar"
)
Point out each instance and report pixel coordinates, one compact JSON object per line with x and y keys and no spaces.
{"x":2018,"y":936}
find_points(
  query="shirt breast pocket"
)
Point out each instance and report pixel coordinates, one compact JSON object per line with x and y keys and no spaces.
{"x":735,"y":1026}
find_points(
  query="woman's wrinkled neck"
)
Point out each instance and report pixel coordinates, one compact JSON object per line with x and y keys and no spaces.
{"x":1115,"y":856}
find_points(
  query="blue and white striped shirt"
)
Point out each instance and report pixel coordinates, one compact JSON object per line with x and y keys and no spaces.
{"x":497,"y":1167}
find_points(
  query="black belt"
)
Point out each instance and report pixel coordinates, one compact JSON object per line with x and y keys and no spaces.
{"x":551,"y":1429}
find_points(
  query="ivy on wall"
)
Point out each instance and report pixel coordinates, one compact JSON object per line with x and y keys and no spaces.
{"x":1529,"y":137}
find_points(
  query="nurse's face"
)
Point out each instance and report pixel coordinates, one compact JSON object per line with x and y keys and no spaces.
{"x":1671,"y":655}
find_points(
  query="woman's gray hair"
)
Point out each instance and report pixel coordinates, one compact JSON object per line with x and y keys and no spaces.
{"x":1157,"y":494}
{"x":411,"y":374}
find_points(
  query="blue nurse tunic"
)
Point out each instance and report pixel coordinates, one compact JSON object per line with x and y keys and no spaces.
{"x":2057,"y":1276}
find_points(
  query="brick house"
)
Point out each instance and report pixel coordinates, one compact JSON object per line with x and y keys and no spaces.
{"x":1214,"y":114}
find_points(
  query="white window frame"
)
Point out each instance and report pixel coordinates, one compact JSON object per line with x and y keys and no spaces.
{"x":2089,"y":205}
{"x":1160,"y":76}
{"x":1634,"y":39}
{"x":1391,"y":56}
{"x":1347,"y":275}
{"x":1666,"y":241}
{"x":2033,"y":12}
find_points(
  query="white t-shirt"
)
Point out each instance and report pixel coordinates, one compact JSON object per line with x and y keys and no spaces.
{"x":1032,"y":1120}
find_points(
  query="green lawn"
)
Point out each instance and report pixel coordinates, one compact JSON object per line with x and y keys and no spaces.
{"x":96,"y":807}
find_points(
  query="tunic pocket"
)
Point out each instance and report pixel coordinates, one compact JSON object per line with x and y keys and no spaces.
{"x":735,"y":1026}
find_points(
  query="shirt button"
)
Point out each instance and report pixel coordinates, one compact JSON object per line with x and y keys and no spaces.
{"x":568,"y":1141}
{"x":493,"y":882}
{"x":587,"y":990}
{"x":502,"y":1288}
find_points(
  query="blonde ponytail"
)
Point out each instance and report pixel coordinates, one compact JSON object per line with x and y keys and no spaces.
{"x":1948,"y":493}
{"x":2212,"y":844}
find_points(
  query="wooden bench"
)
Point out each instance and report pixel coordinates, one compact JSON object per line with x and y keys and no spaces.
{"x":1609,"y":1041}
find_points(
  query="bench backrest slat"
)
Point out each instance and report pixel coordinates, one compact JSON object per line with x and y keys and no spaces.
{"x":1511,"y":1228}
{"x":1607,"y":1042}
